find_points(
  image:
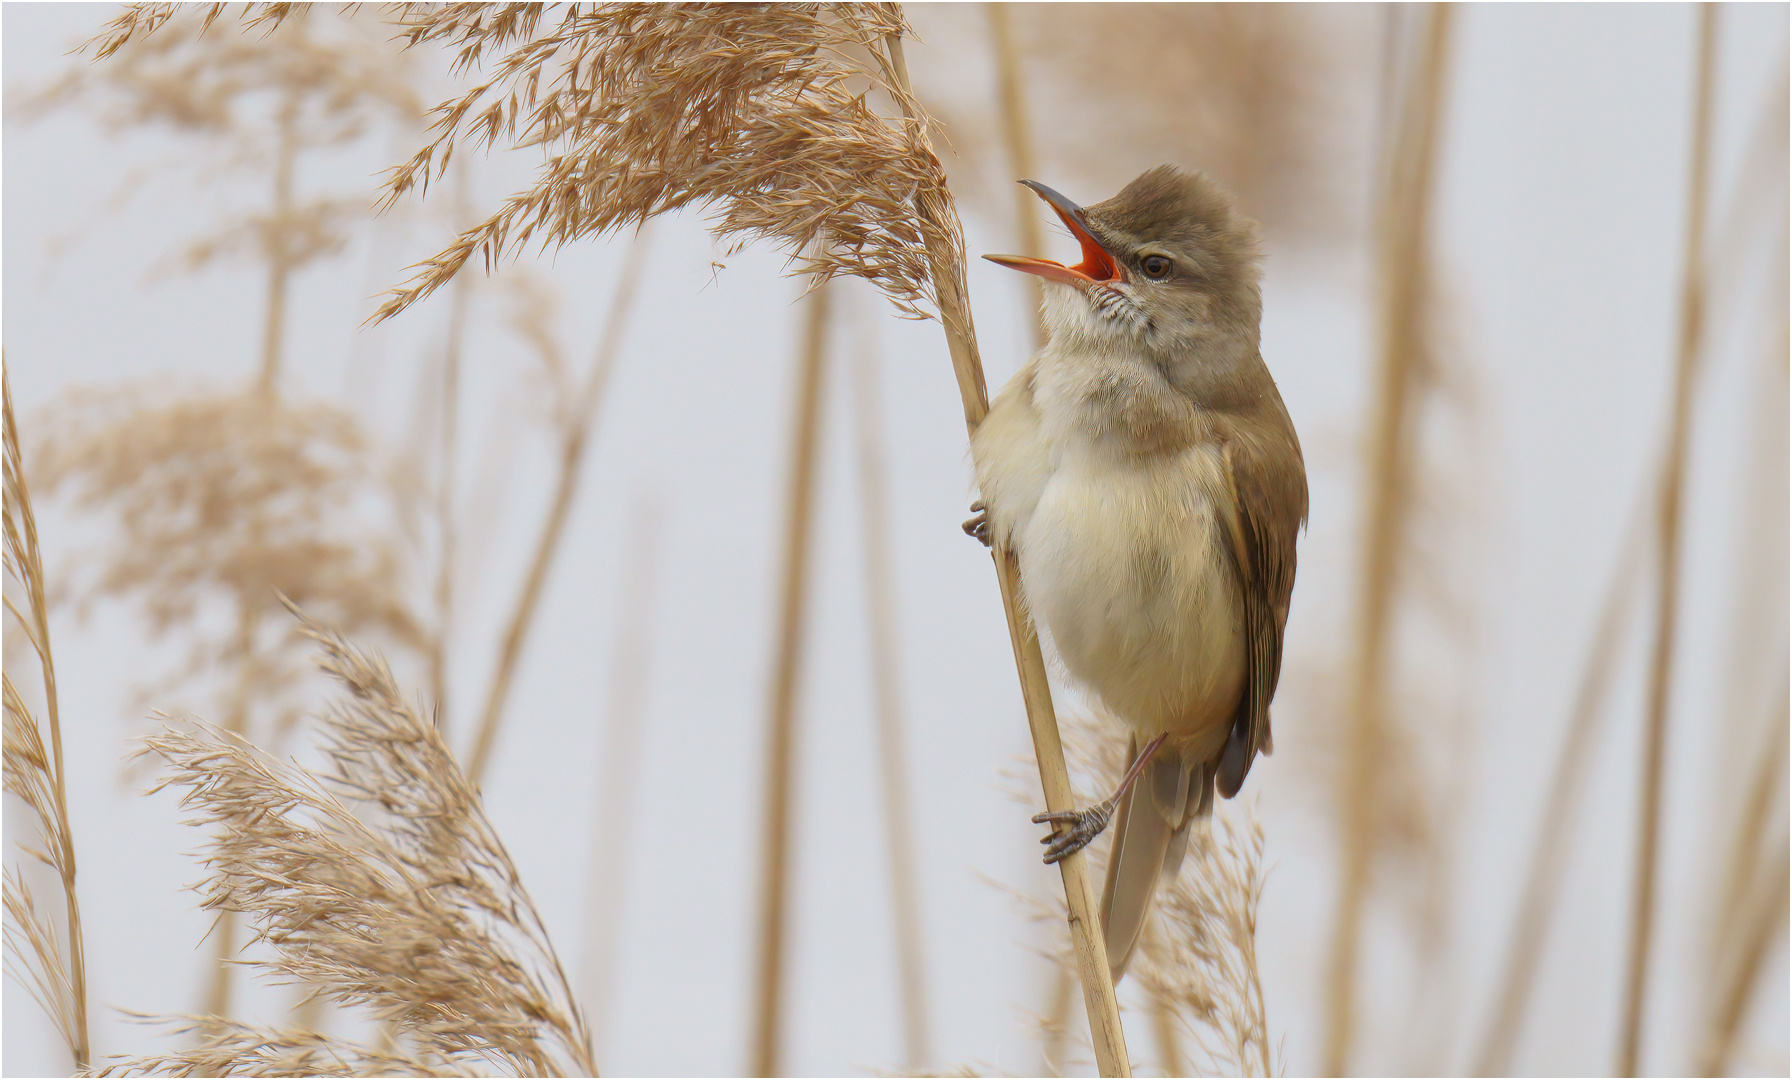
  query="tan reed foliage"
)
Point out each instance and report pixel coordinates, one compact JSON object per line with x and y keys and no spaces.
{"x":379,"y":883}
{"x":220,"y":1047}
{"x":765,"y":114}
{"x":1668,"y":537}
{"x":52,"y":967}
{"x":757,"y":90}
{"x":1403,"y":221}
{"x":229,"y":496}
{"x":259,"y":103}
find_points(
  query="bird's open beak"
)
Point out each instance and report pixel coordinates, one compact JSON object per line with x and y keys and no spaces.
{"x":1098,"y":264}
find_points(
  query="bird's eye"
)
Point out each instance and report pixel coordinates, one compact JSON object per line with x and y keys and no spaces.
{"x":1156,"y":266}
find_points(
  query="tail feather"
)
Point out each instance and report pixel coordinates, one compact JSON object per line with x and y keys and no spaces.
{"x":1150,"y":839}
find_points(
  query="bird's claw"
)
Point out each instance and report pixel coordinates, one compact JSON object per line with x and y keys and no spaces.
{"x":1083,"y":826}
{"x":977,"y":527}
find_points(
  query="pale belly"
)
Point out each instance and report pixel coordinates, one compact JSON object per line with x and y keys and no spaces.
{"x":1126,"y":567}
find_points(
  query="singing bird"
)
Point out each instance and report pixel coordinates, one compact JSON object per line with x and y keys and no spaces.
{"x":1145,"y":472}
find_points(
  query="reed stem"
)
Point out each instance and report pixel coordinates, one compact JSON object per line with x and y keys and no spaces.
{"x":1017,"y":138}
{"x":1673,"y":480}
{"x":1403,"y":224}
{"x":575,"y":436}
{"x":1085,"y":925}
{"x":780,"y":776}
{"x":22,"y":542}
{"x":631,"y":664}
{"x":1561,"y":808}
{"x":886,"y":678}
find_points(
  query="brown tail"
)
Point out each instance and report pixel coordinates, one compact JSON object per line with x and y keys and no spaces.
{"x":1150,"y":838}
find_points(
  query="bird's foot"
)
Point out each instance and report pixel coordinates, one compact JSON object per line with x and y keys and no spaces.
{"x":978,"y":526}
{"x":1084,"y":826}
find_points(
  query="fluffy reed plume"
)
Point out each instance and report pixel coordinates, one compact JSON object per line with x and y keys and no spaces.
{"x":51,"y":966}
{"x":757,"y":90}
{"x":379,"y":883}
{"x":229,"y":497}
{"x":258,"y":104}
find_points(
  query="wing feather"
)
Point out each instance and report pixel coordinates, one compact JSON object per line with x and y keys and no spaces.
{"x":1267,"y":481}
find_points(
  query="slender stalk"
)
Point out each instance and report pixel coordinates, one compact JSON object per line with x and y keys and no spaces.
{"x":273,"y":337}
{"x":631,"y":662}
{"x":21,"y":528}
{"x":236,"y":721}
{"x":1404,"y":227}
{"x":880,"y":569}
{"x":1755,"y":902}
{"x":1673,"y":479}
{"x":1561,"y":808}
{"x":1017,"y":140}
{"x":575,"y":435}
{"x":1085,"y":926}
{"x":444,"y":502}
{"x":787,"y":665}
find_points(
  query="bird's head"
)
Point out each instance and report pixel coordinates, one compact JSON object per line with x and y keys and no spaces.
{"x":1167,"y":264}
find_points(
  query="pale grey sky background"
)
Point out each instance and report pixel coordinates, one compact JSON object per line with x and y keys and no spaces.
{"x":1558,"y":239}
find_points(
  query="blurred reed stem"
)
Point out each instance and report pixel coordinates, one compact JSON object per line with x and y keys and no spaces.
{"x":886,"y":679}
{"x":619,"y":768}
{"x":787,"y":665}
{"x":1403,"y":235}
{"x":1561,"y":809}
{"x":1668,"y":526}
{"x":1755,"y":899}
{"x":273,"y":340}
{"x":575,"y":436}
{"x":444,"y":501}
{"x":236,"y":722}
{"x":1048,"y":749}
{"x":26,"y":558}
{"x":1017,"y":138}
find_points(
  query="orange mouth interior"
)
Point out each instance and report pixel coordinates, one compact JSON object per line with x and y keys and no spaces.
{"x":1097,"y":267}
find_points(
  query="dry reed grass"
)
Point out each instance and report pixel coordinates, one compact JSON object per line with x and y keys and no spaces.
{"x":50,"y":965}
{"x":379,"y":884}
{"x":229,"y":497}
{"x":260,"y":104}
{"x":765,"y":114}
